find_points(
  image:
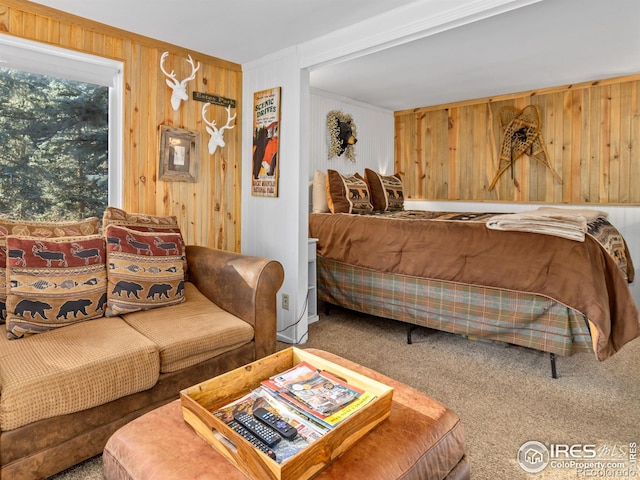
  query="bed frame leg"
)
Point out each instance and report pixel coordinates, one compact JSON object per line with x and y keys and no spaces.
{"x":554,"y":373}
{"x":410,"y":328}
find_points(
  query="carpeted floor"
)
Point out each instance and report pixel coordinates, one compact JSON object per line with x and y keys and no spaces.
{"x":505,"y":396}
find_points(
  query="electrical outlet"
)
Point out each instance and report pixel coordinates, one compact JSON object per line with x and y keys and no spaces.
{"x":285,"y":301}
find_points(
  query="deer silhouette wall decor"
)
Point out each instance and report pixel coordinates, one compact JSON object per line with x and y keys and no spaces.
{"x":179,"y":88}
{"x":216,"y":140}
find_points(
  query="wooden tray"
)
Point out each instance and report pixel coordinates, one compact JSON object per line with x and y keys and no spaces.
{"x":198,"y":403}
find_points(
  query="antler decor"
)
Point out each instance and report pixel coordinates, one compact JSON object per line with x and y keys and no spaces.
{"x":179,"y":88}
{"x":216,"y":139}
{"x":521,"y":135}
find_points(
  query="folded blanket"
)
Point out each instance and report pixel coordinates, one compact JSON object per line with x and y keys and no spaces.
{"x":588,"y":213}
{"x":562,"y":225}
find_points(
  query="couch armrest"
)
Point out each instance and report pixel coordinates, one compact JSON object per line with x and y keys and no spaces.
{"x":243,"y":285}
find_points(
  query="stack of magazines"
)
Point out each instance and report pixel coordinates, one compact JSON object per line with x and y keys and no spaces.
{"x":313,"y":401}
{"x":318,"y":394}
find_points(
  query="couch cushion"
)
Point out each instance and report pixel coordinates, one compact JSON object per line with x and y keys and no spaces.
{"x":191,"y":332}
{"x":88,"y":226}
{"x":54,"y":283}
{"x":73,"y":368}
{"x":145,"y":270}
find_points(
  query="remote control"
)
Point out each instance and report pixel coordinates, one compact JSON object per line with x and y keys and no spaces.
{"x":275,"y":422}
{"x":255,"y":441}
{"x":265,"y":434}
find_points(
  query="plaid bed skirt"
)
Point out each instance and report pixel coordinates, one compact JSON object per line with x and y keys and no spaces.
{"x":517,"y":318}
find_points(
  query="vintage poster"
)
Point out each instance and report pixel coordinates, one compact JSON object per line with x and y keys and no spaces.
{"x":266,"y":124}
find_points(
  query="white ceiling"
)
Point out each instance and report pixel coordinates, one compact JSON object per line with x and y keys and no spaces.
{"x":402,"y":53}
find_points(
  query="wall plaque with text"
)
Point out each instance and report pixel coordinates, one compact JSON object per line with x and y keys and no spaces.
{"x":215,"y":99}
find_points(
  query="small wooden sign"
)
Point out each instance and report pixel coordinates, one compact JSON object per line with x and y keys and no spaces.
{"x":215,"y":99}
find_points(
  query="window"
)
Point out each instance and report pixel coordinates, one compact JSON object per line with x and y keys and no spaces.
{"x":60,"y":132}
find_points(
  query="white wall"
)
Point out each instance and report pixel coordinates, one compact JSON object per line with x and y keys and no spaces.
{"x":375,"y":134}
{"x":277,"y":227}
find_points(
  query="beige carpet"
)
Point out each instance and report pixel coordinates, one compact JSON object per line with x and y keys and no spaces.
{"x":505,"y":396}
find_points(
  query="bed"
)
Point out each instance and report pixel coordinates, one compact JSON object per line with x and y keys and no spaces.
{"x":450,"y":272}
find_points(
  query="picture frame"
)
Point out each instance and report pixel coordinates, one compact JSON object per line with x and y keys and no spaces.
{"x":266,"y":152}
{"x":179,"y":153}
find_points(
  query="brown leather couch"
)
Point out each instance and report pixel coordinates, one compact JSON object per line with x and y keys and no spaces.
{"x":64,"y":392}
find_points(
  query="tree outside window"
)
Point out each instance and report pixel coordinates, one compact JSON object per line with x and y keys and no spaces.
{"x":54,"y":147}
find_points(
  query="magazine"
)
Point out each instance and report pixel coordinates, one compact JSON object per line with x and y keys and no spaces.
{"x":334,"y":419}
{"x":299,"y":372}
{"x":321,"y":393}
{"x":318,"y":393}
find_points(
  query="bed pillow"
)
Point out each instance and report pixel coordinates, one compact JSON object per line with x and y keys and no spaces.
{"x":88,"y":226}
{"x":386,"y":191}
{"x":347,"y":194}
{"x":145,"y":270}
{"x":53,"y":283}
{"x":319,"y":193}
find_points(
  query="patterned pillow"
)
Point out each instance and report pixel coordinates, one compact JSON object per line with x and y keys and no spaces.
{"x":145,"y":270}
{"x":142,"y":222}
{"x":347,"y":194}
{"x":386,"y":191}
{"x":53,"y":283}
{"x":88,"y":226}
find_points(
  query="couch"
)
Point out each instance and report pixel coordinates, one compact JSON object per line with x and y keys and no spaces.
{"x":65,"y":390}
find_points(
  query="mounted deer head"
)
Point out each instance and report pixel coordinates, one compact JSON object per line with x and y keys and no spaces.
{"x":216,"y":139}
{"x":179,"y":88}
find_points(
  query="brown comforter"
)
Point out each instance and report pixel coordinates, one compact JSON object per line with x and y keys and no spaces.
{"x":580,"y":275}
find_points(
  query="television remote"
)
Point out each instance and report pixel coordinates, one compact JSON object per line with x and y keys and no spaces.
{"x":265,"y":434}
{"x":253,"y":440}
{"x":275,"y":422}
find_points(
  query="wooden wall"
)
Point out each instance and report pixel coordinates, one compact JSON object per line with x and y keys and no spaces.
{"x":591,"y":132}
{"x":208,"y":210}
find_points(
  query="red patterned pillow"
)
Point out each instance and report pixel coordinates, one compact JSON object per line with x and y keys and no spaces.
{"x":53,"y":283}
{"x":142,"y":222}
{"x":88,"y":226}
{"x":145,"y":270}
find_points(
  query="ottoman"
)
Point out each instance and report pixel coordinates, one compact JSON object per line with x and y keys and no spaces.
{"x":422,"y":439}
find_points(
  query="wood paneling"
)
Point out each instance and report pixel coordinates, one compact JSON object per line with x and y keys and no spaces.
{"x":591,"y":132}
{"x":208,"y":210}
